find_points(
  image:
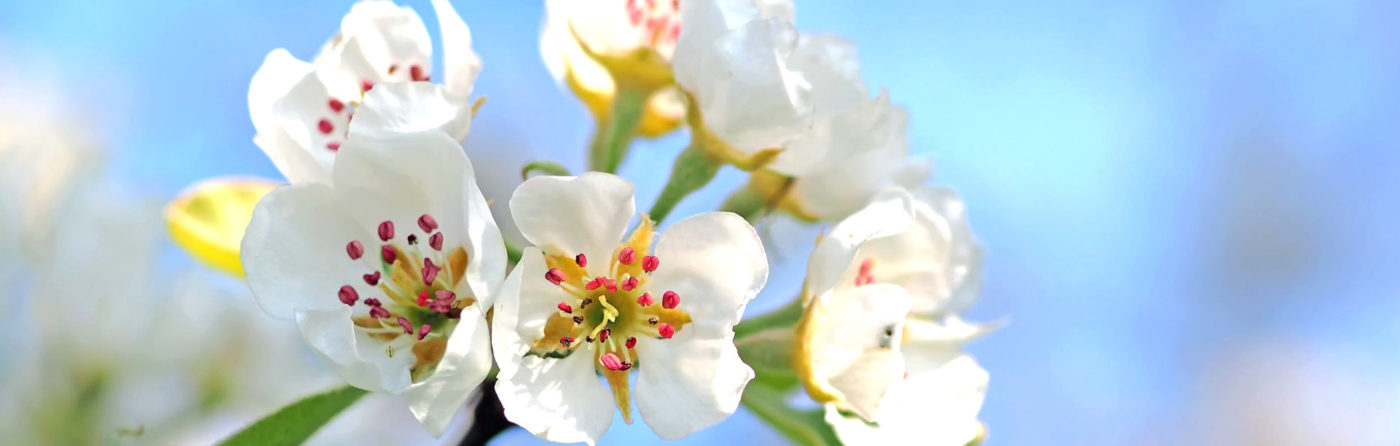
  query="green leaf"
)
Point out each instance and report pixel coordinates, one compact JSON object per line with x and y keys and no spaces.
{"x":805,"y":427}
{"x":693,"y":170}
{"x":544,"y":167}
{"x":293,"y":424}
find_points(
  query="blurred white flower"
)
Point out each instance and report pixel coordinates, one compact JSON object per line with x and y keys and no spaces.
{"x":879,"y":343}
{"x":613,"y":29}
{"x":388,"y":271}
{"x":585,"y":301}
{"x":302,"y":111}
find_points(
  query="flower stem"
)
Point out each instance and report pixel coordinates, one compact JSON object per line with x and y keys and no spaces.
{"x":614,"y":135}
{"x":784,"y":317}
{"x":800,"y":426}
{"x":693,"y":169}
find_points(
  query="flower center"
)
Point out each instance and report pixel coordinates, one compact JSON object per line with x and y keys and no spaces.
{"x":335,"y":122}
{"x":611,"y":305}
{"x":658,"y":21}
{"x":419,"y":307}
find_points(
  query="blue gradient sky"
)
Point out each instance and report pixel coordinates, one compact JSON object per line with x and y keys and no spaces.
{"x":1181,"y":201}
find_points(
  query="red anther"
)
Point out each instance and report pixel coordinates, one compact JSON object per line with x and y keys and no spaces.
{"x":348,"y":296}
{"x":372,"y":278}
{"x":649,"y":263}
{"x":554,"y":276}
{"x":581,"y":260}
{"x":407,"y":326}
{"x":566,"y":308}
{"x":567,"y":341}
{"x":355,"y":249}
{"x":423,"y":331}
{"x":445,"y":296}
{"x":603,"y":335}
{"x":594,"y":284}
{"x":386,"y":230}
{"x":629,"y":284}
{"x":423,"y":298}
{"x":325,"y":126}
{"x":665,"y":330}
{"x":612,"y":362}
{"x":609,"y":283}
{"x":430,"y":271}
{"x":427,"y":223}
{"x":388,"y":254}
{"x":372,"y":302}
{"x":336,"y":105}
{"x":416,"y":73}
{"x":631,"y":342}
{"x":455,"y":313}
{"x":378,"y":312}
{"x":645,"y":300}
{"x":436,"y":241}
{"x":333,"y":146}
{"x":627,"y":256}
{"x":365,"y":85}
{"x":866,"y":265}
{"x":670,"y":300}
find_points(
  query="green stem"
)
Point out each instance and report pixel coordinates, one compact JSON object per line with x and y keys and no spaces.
{"x":806,"y":427}
{"x":614,"y":135}
{"x":786,"y":316}
{"x":693,"y":169}
{"x":746,"y":202}
{"x":513,"y":252}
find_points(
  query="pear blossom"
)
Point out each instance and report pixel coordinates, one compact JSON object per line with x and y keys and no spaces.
{"x":302,"y":110}
{"x":388,"y":270}
{"x":880,"y":340}
{"x":735,"y":58}
{"x":585,"y":301}
{"x":613,"y":29}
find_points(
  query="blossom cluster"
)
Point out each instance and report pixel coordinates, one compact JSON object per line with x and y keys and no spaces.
{"x":389,"y":257}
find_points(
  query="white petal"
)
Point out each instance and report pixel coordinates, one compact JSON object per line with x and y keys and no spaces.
{"x":835,"y":257}
{"x":460,"y":63}
{"x":936,"y":405}
{"x":278,"y":73}
{"x":407,"y":107}
{"x":865,"y":151}
{"x":400,"y":178}
{"x":688,"y":382}
{"x":716,"y":263}
{"x":287,"y":102}
{"x":855,"y":340}
{"x":831,"y":65}
{"x":294,"y":250}
{"x":358,"y":359}
{"x":560,"y":400}
{"x":569,"y":215}
{"x":949,"y":330}
{"x":296,"y":163}
{"x":374,"y":36}
{"x":464,"y":365}
{"x":936,"y":259}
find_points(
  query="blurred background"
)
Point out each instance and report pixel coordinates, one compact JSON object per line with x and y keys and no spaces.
{"x":1189,"y":210}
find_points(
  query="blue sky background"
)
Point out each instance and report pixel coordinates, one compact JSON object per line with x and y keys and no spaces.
{"x":1188,"y":207}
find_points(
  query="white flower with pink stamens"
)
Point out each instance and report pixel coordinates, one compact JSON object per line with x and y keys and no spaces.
{"x":585,"y":301}
{"x":302,"y":111}
{"x":389,"y":270}
{"x":880,"y":341}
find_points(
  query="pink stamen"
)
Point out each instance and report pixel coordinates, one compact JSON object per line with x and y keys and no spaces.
{"x":594,"y":284}
{"x":325,"y":126}
{"x":427,"y":223}
{"x":424,"y":330}
{"x":355,"y":249}
{"x":348,"y":296}
{"x":603,"y":335}
{"x":333,"y":146}
{"x":567,"y":341}
{"x":430,"y":271}
{"x":609,"y":283}
{"x":416,"y":73}
{"x":423,"y":298}
{"x":336,"y":105}
{"x":372,"y":302}
{"x":407,"y":326}
{"x":645,"y":300}
{"x":649,"y":263}
{"x":372,"y":278}
{"x":445,"y":295}
{"x":612,"y":362}
{"x":627,"y":256}
{"x":631,"y":342}
{"x":386,"y":230}
{"x":630,"y":284}
{"x":554,"y":276}
{"x":665,"y":330}
{"x":378,"y":312}
{"x":670,"y":300}
{"x":566,"y":308}
{"x":581,"y":260}
{"x":436,"y":241}
{"x":366,"y":85}
{"x":388,"y":254}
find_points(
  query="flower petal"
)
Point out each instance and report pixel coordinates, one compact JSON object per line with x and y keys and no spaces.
{"x":208,"y":219}
{"x":689,"y":382}
{"x":834,"y":259}
{"x":937,"y":259}
{"x":853,"y":344}
{"x":375,"y":36}
{"x":402,"y":177}
{"x":294,"y":250}
{"x":716,"y":262}
{"x":936,"y":405}
{"x":358,"y":360}
{"x":865,"y":151}
{"x":460,"y":64}
{"x":557,"y":399}
{"x":277,"y":75}
{"x":408,"y":107}
{"x":465,"y":364}
{"x":287,"y":102}
{"x":570,"y":215}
